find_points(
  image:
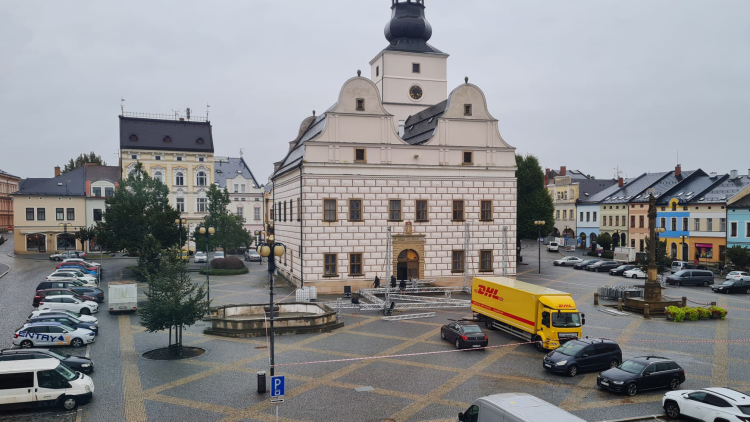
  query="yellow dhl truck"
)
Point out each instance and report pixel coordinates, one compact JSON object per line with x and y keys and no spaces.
{"x":533,"y":313}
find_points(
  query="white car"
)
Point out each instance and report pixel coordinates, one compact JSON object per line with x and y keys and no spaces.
{"x":84,"y":318}
{"x":567,"y":261}
{"x":83,"y":261}
{"x":67,"y":303}
{"x":79,"y":274}
{"x":708,"y":404}
{"x":66,"y":276}
{"x":42,"y":334}
{"x":553,"y":247}
{"x":219,"y":254}
{"x":634,"y":273}
{"x":200,"y":257}
{"x":738,"y":276}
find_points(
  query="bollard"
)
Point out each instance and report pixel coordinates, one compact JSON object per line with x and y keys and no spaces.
{"x":647,"y":311}
{"x":619,"y":304}
{"x":684,"y":301}
{"x":596,"y":299}
{"x":261,"y":382}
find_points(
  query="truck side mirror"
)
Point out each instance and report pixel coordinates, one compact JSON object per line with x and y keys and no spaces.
{"x":460,"y":416}
{"x":583,"y":319}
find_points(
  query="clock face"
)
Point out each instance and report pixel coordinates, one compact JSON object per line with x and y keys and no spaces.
{"x":415,"y":92}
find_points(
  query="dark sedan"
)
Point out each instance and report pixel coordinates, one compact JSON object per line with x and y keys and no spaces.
{"x":642,"y":373}
{"x":621,"y":269}
{"x":66,"y":320}
{"x":732,"y":286}
{"x":76,"y":363}
{"x":583,"y":264}
{"x":41,"y":294}
{"x":602,"y":266}
{"x":92,"y":292}
{"x":464,"y":334}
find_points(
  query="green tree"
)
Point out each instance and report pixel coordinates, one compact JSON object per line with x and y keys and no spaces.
{"x":663,"y":262}
{"x":604,"y":240}
{"x":139,"y":207}
{"x":149,"y":259}
{"x":534,"y":202}
{"x":229,"y":233}
{"x":174,"y":301}
{"x":739,"y":256}
{"x":82,"y":160}
{"x":84,"y":234}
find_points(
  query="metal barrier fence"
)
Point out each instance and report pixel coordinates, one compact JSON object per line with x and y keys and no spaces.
{"x":618,"y":292}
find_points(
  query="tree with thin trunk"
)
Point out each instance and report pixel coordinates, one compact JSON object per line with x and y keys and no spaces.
{"x":739,"y":256}
{"x":534,"y":202}
{"x":82,"y":160}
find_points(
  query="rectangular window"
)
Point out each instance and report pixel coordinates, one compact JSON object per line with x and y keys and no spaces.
{"x":109,"y":192}
{"x":421,"y":214}
{"x":697,"y":224}
{"x":467,"y":109}
{"x":565,"y":214}
{"x":71,"y":214}
{"x":272,"y":212}
{"x":632,"y":221}
{"x":581,"y":217}
{"x":256,"y":213}
{"x":485,"y":260}
{"x":457,"y":261}
{"x":416,"y":68}
{"x":663,"y":222}
{"x":284,"y":210}
{"x":733,"y":229}
{"x":329,"y":210}
{"x":240,"y":212}
{"x":641,"y":244}
{"x":377,"y":70}
{"x":673,"y":224}
{"x":299,"y":209}
{"x":710,"y":224}
{"x":29,"y":214}
{"x":236,"y":188}
{"x":17,"y":381}
{"x":594,"y":216}
{"x":641,"y":221}
{"x":685,"y":224}
{"x":59,"y":214}
{"x":747,"y":229}
{"x":157,"y":157}
{"x":97,"y":192}
{"x":202,"y":205}
{"x":329,"y":265}
{"x":133,"y":156}
{"x":610,"y":220}
{"x":458,"y":210}
{"x":41,"y":214}
{"x":201,"y":159}
{"x":722,"y":225}
{"x":617,"y":220}
{"x":468,"y":157}
{"x":178,"y":158}
{"x":360,"y":104}
{"x":355,"y":210}
{"x":181,"y":204}
{"x":485,"y":208}
{"x":557,"y":214}
{"x":394,"y":210}
{"x":242,"y":188}
{"x":588,"y":217}
{"x":355,"y":264}
{"x":359,"y":155}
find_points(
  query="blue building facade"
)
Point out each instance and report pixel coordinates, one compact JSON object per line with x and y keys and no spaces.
{"x":738,"y":223}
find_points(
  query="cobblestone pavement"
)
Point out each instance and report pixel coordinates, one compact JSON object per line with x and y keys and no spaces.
{"x":221,"y":384}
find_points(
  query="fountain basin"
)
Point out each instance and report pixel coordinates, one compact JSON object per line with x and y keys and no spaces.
{"x":251,"y":320}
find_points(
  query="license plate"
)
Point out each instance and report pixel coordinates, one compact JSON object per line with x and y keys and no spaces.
{"x":547,"y":365}
{"x":123,"y":307}
{"x":476,"y":345}
{"x":605,"y":383}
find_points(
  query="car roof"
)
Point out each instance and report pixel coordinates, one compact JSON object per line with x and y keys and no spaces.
{"x":29,"y":365}
{"x":36,"y":324}
{"x":729,"y":393}
{"x":52,"y":315}
{"x":652,"y":359}
{"x":594,"y":340}
{"x":17,"y":351}
{"x":466,"y":323}
{"x":56,"y":296}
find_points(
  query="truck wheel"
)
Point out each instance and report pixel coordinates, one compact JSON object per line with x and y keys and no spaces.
{"x":458,"y":344}
{"x":68,"y":403}
{"x":705,"y":284}
{"x":488,"y":322}
{"x":538,"y":344}
{"x":573,"y":370}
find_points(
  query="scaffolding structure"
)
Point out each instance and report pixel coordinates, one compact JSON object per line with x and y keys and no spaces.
{"x":388,"y":255}
{"x":467,"y":257}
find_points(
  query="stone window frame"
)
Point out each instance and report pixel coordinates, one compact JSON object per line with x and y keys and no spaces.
{"x":416,"y":67}
{"x":180,"y":204}
{"x":482,"y":216}
{"x":30,"y":212}
{"x":723,"y":225}
{"x":360,"y":104}
{"x":461,"y":262}
{"x":482,"y":268}
{"x":632,"y":221}
{"x":364,"y":155}
{"x":462,"y":217}
{"x":335,"y":210}
{"x":426,"y":210}
{"x":326,"y":264}
{"x":463,"y":158}
{"x":361,"y":264}
{"x":41,"y":214}
{"x":391,"y":210}
{"x":734,"y":227}
{"x":361,"y":210}
{"x":70,"y":212}
{"x":467,"y":109}
{"x":685,"y":224}
{"x":59,"y":214}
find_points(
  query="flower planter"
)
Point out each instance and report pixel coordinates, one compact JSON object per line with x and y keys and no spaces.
{"x":670,"y":317}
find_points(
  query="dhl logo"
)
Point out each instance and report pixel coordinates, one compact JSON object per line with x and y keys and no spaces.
{"x":565,"y":305}
{"x":489,"y":292}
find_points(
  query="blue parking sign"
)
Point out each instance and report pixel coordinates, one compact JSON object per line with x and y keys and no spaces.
{"x":277,"y":386}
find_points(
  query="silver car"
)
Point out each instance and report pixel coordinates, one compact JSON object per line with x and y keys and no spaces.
{"x":200,"y":257}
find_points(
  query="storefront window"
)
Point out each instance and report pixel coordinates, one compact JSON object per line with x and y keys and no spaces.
{"x":704,"y":250}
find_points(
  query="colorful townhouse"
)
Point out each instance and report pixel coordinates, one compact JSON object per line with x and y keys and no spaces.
{"x":738,"y":220}
{"x":588,"y":209}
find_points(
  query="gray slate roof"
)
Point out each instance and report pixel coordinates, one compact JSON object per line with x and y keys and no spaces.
{"x":598,"y":197}
{"x":111,"y":173}
{"x":419,"y":128}
{"x":636,"y":187}
{"x":593,"y":186}
{"x":742,"y":203}
{"x":5,"y":173}
{"x":722,"y":191}
{"x":72,"y":183}
{"x":31,"y":181}
{"x":230,"y":169}
{"x":151,"y":133}
{"x":413,"y":45}
{"x":690,"y":188}
{"x":294,"y":158}
{"x":666,"y":184}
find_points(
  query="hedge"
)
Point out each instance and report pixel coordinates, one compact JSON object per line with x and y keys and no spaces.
{"x":230,"y":263}
{"x":213,"y":271}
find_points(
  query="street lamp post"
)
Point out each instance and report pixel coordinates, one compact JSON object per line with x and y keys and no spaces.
{"x":65,"y":233}
{"x":683,"y":239}
{"x":207,"y":231}
{"x":271,"y":249}
{"x":539,"y":224}
{"x":617,"y":232}
{"x":258,"y":238}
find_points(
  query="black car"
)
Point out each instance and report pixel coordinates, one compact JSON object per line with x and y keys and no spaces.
{"x":44,"y":285}
{"x":732,"y":286}
{"x":584,"y":264}
{"x":691,"y":278}
{"x":621,"y":269}
{"x":464,"y":334}
{"x":76,"y":363}
{"x":65,"y":319}
{"x":642,"y":373}
{"x":91,"y":292}
{"x":602,"y":266}
{"x":583,"y":354}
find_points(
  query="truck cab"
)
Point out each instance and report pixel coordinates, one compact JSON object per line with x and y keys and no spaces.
{"x":559,"y":320}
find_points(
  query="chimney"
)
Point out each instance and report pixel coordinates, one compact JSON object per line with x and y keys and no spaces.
{"x":546,"y":177}
{"x":619,"y":182}
{"x":712,"y":174}
{"x":678,"y":171}
{"x":563,"y":170}
{"x":733,"y":174}
{"x":57,"y":171}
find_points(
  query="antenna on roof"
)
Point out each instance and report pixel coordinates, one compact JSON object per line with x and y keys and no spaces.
{"x":122,"y":106}
{"x":207,"y":107}
{"x":617,"y":172}
{"x":187,"y":113}
{"x":241,"y":151}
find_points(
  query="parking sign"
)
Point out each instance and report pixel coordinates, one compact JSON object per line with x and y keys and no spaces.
{"x":277,"y":386}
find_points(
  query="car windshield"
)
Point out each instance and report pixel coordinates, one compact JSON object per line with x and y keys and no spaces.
{"x":566,"y":319}
{"x":471,"y":329}
{"x":66,"y":372}
{"x":632,"y":367}
{"x":680,"y":273}
{"x":57,"y":355}
{"x":571,"y":348}
{"x":65,"y":327}
{"x":553,"y":244}
{"x":744,"y":409}
{"x":76,"y":283}
{"x":622,"y":267}
{"x":73,"y":314}
{"x":200,"y":254}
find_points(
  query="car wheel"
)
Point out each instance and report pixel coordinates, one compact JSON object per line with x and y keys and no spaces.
{"x":674,"y":384}
{"x":458,"y":344}
{"x":633,"y":276}
{"x":76,"y":342}
{"x":442,"y":334}
{"x":85,"y":311}
{"x":672,"y":410}
{"x":705,"y":284}
{"x":538,"y":344}
{"x":26,"y":344}
{"x":614,"y":363}
{"x":631,"y":389}
{"x":69,"y":403}
{"x":679,"y":284}
{"x":726,"y":291}
{"x":747,"y":291}
{"x":573,"y":370}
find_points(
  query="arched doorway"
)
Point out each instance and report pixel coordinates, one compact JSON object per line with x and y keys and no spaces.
{"x":615,"y":240}
{"x":623,"y":240}
{"x":673,"y":251}
{"x":583,"y":239}
{"x":685,"y":252}
{"x":592,"y":239}
{"x":36,"y":242}
{"x":408,"y":265}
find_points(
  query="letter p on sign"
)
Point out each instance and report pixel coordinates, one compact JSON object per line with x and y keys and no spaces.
{"x":277,"y":386}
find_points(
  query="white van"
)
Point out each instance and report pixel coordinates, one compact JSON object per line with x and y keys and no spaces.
{"x":515,"y":407}
{"x":42,"y":382}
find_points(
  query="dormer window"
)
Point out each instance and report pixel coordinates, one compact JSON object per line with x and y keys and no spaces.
{"x":199,"y":141}
{"x":167,"y":139}
{"x":416,"y":68}
{"x":360,"y":104}
{"x":133,"y":137}
{"x":467,"y":109}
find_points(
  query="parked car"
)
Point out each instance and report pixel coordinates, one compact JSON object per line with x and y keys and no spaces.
{"x":568,"y":261}
{"x":642,"y":373}
{"x":76,"y":363}
{"x":553,"y":247}
{"x":683,"y":265}
{"x":85,"y":318}
{"x":602,"y":266}
{"x":58,"y":285}
{"x":200,"y":257}
{"x":515,"y":407}
{"x":634,"y":273}
{"x":621,"y":269}
{"x":41,"y":294}
{"x":583,"y":354}
{"x":464,"y":334}
{"x":691,"y":278}
{"x":51,"y":334}
{"x":59,"y":256}
{"x":53,"y":382}
{"x":707,"y":404}
{"x":583,"y":264}
{"x":67,"y":303}
{"x":78,"y":265}
{"x":738,"y":276}
{"x":219,"y":254}
{"x":252,"y":255}
{"x":732,"y":286}
{"x":66,"y":320}
{"x":92,"y":292}
{"x":65,"y":276}
{"x":78,"y":273}
{"x":83,"y":261}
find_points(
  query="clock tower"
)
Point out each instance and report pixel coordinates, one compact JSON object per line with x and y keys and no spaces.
{"x":410,"y":74}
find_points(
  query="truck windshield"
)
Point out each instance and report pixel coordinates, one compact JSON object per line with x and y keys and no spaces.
{"x":565,"y":319}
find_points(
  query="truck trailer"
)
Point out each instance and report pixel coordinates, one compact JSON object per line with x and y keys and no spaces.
{"x":530,"y":312}
{"x":123,"y":296}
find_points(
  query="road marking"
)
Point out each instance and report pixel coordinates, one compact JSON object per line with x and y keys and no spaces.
{"x":720,"y":371}
{"x":79,"y":414}
{"x":88,"y":351}
{"x":135,"y":407}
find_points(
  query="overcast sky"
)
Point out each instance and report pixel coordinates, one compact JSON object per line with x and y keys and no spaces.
{"x":591,"y":85}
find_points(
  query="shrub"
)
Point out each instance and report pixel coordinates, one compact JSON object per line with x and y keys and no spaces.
{"x":717,"y":310}
{"x":227,"y":264}
{"x":704,"y":313}
{"x":691,"y":314}
{"x":244,"y":270}
{"x":677,"y":313}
